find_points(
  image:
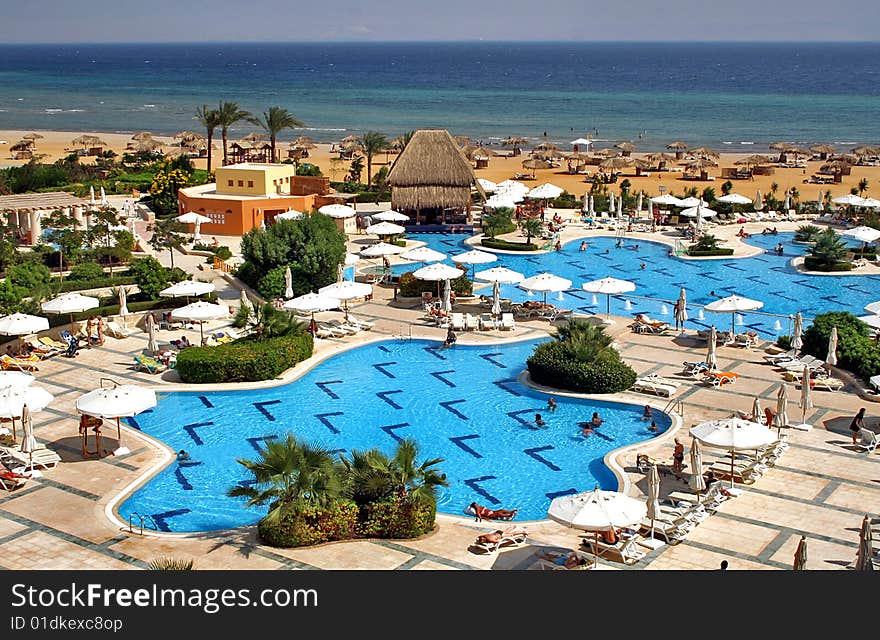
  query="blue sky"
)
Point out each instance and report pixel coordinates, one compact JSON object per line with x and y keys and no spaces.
{"x":413,"y":20}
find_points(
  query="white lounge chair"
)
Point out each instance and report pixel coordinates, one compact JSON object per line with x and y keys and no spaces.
{"x":624,"y":550}
{"x":458,"y":321}
{"x":867,"y":440}
{"x":362,"y":325}
{"x":512,"y":536}
{"x":487,"y":322}
{"x":41,"y":458}
{"x":646,"y":385}
{"x":550,"y":561}
{"x":507,"y":321}
{"x":115,"y":330}
{"x":471,"y":322}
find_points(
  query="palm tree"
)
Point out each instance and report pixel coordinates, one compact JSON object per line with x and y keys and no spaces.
{"x":375,"y":476}
{"x":863,"y":186}
{"x":269,"y":322}
{"x":532,"y":227}
{"x":774,"y":187}
{"x":355,"y":169}
{"x":373,"y":142}
{"x":276,"y":120}
{"x":291,"y":475}
{"x":829,"y":249}
{"x":210,"y":119}
{"x":227,"y":115}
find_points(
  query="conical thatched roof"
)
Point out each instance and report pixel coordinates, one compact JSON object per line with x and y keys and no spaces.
{"x":547,"y":154}
{"x":835,"y":165}
{"x":546,"y":146}
{"x":31,"y":136}
{"x":514,"y":141}
{"x":678,"y":145}
{"x":21,"y":145}
{"x":865,"y":150}
{"x":658,"y":156}
{"x":701,"y":163}
{"x":348,"y":139}
{"x":705,"y":152}
{"x":626,"y":146}
{"x":617,"y":162}
{"x":822,"y":148}
{"x":188,"y":136}
{"x":148,"y":146}
{"x":534,"y":163}
{"x":431,"y":172}
{"x":754,"y":159}
{"x":780,"y":146}
{"x":142,"y":136}
{"x":88,"y":141}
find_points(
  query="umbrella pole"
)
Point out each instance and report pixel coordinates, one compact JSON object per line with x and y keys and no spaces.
{"x":118,"y":436}
{"x":202,"y":332}
{"x":608,"y":307}
{"x":596,"y":547}
{"x":731,"y":467}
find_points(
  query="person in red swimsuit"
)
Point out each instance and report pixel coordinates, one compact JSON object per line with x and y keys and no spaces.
{"x":484,"y":513}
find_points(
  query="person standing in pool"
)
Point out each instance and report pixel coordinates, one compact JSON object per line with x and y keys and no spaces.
{"x":539,"y":421}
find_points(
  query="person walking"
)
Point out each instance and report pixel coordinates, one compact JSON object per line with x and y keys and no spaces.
{"x":857,"y":424}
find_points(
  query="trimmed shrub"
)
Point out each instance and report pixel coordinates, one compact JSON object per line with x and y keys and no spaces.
{"x":497,"y":243}
{"x":246,"y":360}
{"x":817,"y":264}
{"x":272,"y":284}
{"x":81,"y":285}
{"x":30,"y":275}
{"x":86,"y":271}
{"x":699,"y":253}
{"x":336,"y":521}
{"x":396,"y":519}
{"x":410,"y":286}
{"x":856,"y":351}
{"x":551,"y":366}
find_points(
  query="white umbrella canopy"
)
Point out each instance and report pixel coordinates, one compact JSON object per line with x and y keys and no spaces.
{"x":781,"y":417}
{"x":610,"y":287}
{"x":653,"y":503}
{"x":382,"y":249}
{"x":733,"y":434}
{"x":337,"y":211}
{"x":806,"y":402}
{"x":669,"y":200}
{"x":702,"y":211}
{"x":423,"y":254}
{"x":16,"y":379}
{"x":693,"y":202}
{"x":385,"y":229}
{"x":487,"y":185}
{"x":733,"y":305}
{"x":502,"y":275}
{"x":152,"y":340}
{"x":447,"y":296}
{"x":872,"y":321}
{"x":711,"y":360}
{"x":499,"y":201}
{"x":288,"y":283}
{"x":758,"y":202}
{"x":849,"y":199}
{"x":13,"y":399}
{"x":873,"y":203}
{"x":734,"y":198}
{"x":496,"y":299}
{"x":122,"y":401}
{"x":873,"y":307}
{"x":797,"y":340}
{"x":580,"y":141}
{"x":831,"y":358}
{"x":200,"y":312}
{"x":187,"y":288}
{"x":123,"y":301}
{"x":347,"y":290}
{"x":312,"y":302}
{"x":389,"y":216}
{"x":545,"y":283}
{"x":19,"y":324}
{"x":512,"y":185}
{"x":474,"y":258}
{"x":437,"y":271}
{"x":351,"y":259}
{"x":191,"y":217}
{"x":290,"y":214}
{"x":546,"y":191}
{"x":862,"y":234}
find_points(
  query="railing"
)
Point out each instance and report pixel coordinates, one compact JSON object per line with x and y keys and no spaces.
{"x":675,"y":405}
{"x":142,"y":518}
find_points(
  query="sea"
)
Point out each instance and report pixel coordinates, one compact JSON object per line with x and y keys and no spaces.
{"x":734,"y":97}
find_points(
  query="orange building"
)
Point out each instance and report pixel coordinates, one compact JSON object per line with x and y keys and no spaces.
{"x":249,"y":195}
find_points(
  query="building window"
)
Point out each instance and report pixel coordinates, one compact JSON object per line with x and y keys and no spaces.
{"x":241,"y":183}
{"x":229,"y":183}
{"x":250,"y":183}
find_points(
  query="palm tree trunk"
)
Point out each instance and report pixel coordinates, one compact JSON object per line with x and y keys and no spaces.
{"x":272,"y":141}
{"x":369,"y":169}
{"x":210,"y":142}
{"x":225,"y":153}
{"x":171,"y":251}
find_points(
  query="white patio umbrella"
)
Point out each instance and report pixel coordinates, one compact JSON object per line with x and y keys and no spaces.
{"x":872,"y":321}
{"x":669,"y":200}
{"x":698,"y":211}
{"x":29,"y":442}
{"x":196,"y":219}
{"x":499,"y":201}
{"x":290,"y":214}
{"x":447,"y":296}
{"x":345,"y":291}
{"x":581,"y":141}
{"x":873,"y":203}
{"x":758,"y":201}
{"x":781,"y":417}
{"x":653,"y":503}
{"x":187,"y":289}
{"x":610,"y":287}
{"x":351,"y":259}
{"x":546,"y":191}
{"x":592,"y":206}
{"x":862,"y":234}
{"x":806,"y":402}
{"x":597,"y":511}
{"x":15,"y":379}
{"x":152,"y":340}
{"x":389,"y":216}
{"x":311,"y":303}
{"x":850,"y":200}
{"x":13,"y":399}
{"x":693,"y":202}
{"x":639,"y":206}
{"x":733,"y":305}
{"x":104,"y":201}
{"x":733,"y":434}
{"x":496,"y":299}
{"x":502,"y":275}
{"x":337,"y":211}
{"x":200,"y":312}
{"x":611,"y":208}
{"x":681,"y":313}
{"x":865,"y":554}
{"x":423,"y":254}
{"x":21,"y":324}
{"x":380,"y":249}
{"x":696,"y":482}
{"x":831,"y":358}
{"x":711,"y":360}
{"x":756,"y":409}
{"x":487,"y":185}
{"x":873,"y":307}
{"x":437,"y":272}
{"x":787,"y":204}
{"x":513,"y":185}
{"x":123,"y":302}
{"x":288,"y":283}
{"x":122,"y":401}
{"x":734,"y":198}
{"x":92,"y":196}
{"x":243,"y":300}
{"x":385,"y":229}
{"x":797,"y":340}
{"x":474,"y":258}
{"x":545,"y":283}
{"x":800,"y":555}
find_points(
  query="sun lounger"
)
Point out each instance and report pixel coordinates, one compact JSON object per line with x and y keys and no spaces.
{"x":719,"y":378}
{"x":507,"y":321}
{"x":361,"y":325}
{"x":745,"y":472}
{"x":342,"y":326}
{"x":696,"y":368}
{"x":512,"y":536}
{"x":624,"y":550}
{"x":148,"y":364}
{"x":9,"y":363}
{"x":804,"y":361}
{"x":747,"y":340}
{"x":556,"y":561}
{"x":867,"y":440}
{"x":789,"y":355}
{"x":471,"y":322}
{"x":457,"y":321}
{"x":50,"y":342}
{"x":330,"y":331}
{"x":487,"y":322}
{"x":41,"y":350}
{"x":646,"y":385}
{"x":672,"y":531}
{"x":10,"y":480}
{"x":115,"y":330}
{"x":41,"y":458}
{"x":644,"y":324}
{"x":653,"y":377}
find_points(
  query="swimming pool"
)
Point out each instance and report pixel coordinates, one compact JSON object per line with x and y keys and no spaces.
{"x":462,"y":404}
{"x":767,"y":277}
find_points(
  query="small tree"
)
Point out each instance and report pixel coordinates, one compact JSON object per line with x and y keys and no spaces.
{"x":168,"y":234}
{"x":709,"y":195}
{"x":863,"y":186}
{"x":829,"y":249}
{"x":373,"y":142}
{"x":499,"y":221}
{"x":706,"y":242}
{"x":531,"y":227}
{"x":726,"y":188}
{"x":150,"y":276}
{"x":167,"y":181}
{"x":66,"y":234}
{"x":355,"y":169}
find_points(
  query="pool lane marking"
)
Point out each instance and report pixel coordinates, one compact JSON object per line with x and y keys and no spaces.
{"x":323,"y":387}
{"x":488,"y":358}
{"x":383,"y":394}
{"x":182,"y":479}
{"x":516,"y":416}
{"x":389,"y":429}
{"x":439,"y":375}
{"x":474,"y":483}
{"x":191,"y":430}
{"x":558,"y":494}
{"x":533,"y":453}
{"x":254,"y":441}
{"x":380,"y":366}
{"x":458,"y":441}
{"x":433,"y":352}
{"x":384,"y":348}
{"x":323,"y":418}
{"x":206,"y":402}
{"x":448,"y":407}
{"x":261,"y":407}
{"x":160,"y":518}
{"x":130,"y":421}
{"x":502,"y":384}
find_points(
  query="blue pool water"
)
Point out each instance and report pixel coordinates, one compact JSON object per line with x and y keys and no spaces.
{"x":767,"y":277}
{"x":462,"y":404}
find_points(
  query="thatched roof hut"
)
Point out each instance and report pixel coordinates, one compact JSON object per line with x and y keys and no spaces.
{"x":431,"y":173}
{"x":142,"y":136}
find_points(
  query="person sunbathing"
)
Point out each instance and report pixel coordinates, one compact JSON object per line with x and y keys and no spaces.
{"x":484,"y":513}
{"x":567,"y":560}
{"x":642,"y":318}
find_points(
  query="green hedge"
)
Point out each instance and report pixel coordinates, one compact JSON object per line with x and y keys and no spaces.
{"x":411,"y":286}
{"x":82,"y":285}
{"x":496,"y":243}
{"x":223,"y":252}
{"x":336,"y":521}
{"x":868,"y":254}
{"x":552,"y":366}
{"x":246,"y":360}
{"x":396,"y":519}
{"x":812,"y":263}
{"x":721,"y":251}
{"x":856,"y":350}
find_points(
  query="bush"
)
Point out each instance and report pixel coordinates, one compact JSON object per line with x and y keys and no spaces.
{"x":720,"y":251}
{"x":496,"y":243}
{"x":784,"y":342}
{"x":86,"y":271}
{"x":247,"y":360}
{"x":32,"y":276}
{"x":150,"y":276}
{"x":222,"y":252}
{"x":410,"y":286}
{"x":396,"y":519}
{"x":807,"y":233}
{"x":812,"y":263}
{"x":856,"y":351}
{"x":312,"y":525}
{"x":272,"y":284}
{"x":82,"y":285}
{"x":499,"y":222}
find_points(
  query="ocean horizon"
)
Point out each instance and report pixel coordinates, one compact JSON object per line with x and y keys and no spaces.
{"x":733,"y":96}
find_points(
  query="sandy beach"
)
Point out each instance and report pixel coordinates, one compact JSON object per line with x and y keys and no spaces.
{"x":57,"y":144}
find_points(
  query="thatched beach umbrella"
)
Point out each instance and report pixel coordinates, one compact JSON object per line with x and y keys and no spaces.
{"x":88,"y":141}
{"x":149,"y":146}
{"x":141,"y":136}
{"x":515,"y":142}
{"x":626,"y":147}
{"x":616,"y":162}
{"x":31,"y":136}
{"x":824,"y":150}
{"x":546,"y":146}
{"x":705,"y":152}
{"x":836,"y":166}
{"x":698,"y":164}
{"x":534,"y":163}
{"x":865,"y":150}
{"x":752,"y":160}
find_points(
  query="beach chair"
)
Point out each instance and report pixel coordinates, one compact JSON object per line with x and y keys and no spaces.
{"x":56,"y":344}
{"x":645,"y":385}
{"x":507,"y":321}
{"x":747,"y":340}
{"x":457,"y":320}
{"x":471,"y":322}
{"x":20,"y":462}
{"x":827,"y":384}
{"x":744,"y":472}
{"x":331,"y":331}
{"x":672,"y":531}
{"x":41,"y":350}
{"x":644,"y":324}
{"x":669,"y":382}
{"x":487,"y":322}
{"x":789,"y":355}
{"x":341,"y":326}
{"x":115,"y":330}
{"x":719,"y":378}
{"x":806,"y":360}
{"x":624,"y":550}
{"x":512,"y":536}
{"x":148,"y":364}
{"x":11,"y":480}
{"x":361,"y":325}
{"x":696,"y":368}
{"x":867,"y":440}
{"x":556,"y":561}
{"x":8,"y":363}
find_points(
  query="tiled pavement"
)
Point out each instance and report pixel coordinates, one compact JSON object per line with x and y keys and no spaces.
{"x":820,"y":488}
